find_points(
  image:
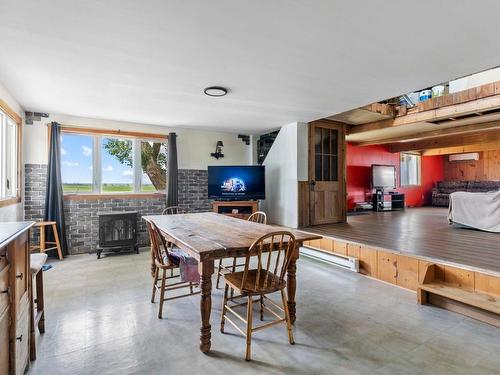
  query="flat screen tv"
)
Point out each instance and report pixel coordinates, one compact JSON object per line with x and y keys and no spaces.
{"x":383,"y":176}
{"x":236,"y":182}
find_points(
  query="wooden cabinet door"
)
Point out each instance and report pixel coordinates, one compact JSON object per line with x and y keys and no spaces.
{"x":327,"y":172}
{"x":4,"y":288}
{"x":4,"y":341}
{"x":18,"y":257}
{"x":18,"y":253}
{"x":22,"y":336}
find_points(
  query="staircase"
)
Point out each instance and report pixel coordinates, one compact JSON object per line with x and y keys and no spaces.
{"x":264,"y":144}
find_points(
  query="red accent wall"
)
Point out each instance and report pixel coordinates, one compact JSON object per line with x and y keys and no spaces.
{"x":359,"y":161}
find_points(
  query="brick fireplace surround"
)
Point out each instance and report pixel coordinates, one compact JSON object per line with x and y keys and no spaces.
{"x":82,"y":224}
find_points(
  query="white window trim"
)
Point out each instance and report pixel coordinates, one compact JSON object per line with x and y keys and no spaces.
{"x":5,"y":117}
{"x":419,"y":171}
{"x":97,"y":164}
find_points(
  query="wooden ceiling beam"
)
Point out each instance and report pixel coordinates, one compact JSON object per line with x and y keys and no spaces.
{"x":439,"y":114}
{"x":474,"y":128}
{"x":444,"y":142}
{"x":488,"y":146}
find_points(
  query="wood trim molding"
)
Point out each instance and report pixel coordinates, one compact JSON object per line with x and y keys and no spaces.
{"x":10,"y":112}
{"x":10,"y":201}
{"x":122,"y":133}
{"x":84,"y":197}
{"x":19,"y":122}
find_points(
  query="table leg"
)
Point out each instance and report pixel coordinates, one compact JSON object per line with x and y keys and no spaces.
{"x":206,"y":269}
{"x":292,"y":283}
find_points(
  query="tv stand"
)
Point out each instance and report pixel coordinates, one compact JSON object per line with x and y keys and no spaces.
{"x":238,"y":209}
{"x":384,"y":201}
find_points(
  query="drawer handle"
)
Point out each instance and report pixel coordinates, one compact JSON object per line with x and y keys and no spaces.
{"x":5,"y":291}
{"x":19,"y":338}
{"x":19,"y":276}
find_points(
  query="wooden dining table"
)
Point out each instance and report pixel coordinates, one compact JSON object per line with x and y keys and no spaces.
{"x":209,"y":236}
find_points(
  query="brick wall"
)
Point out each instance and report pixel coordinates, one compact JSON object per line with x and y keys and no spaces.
{"x":193,"y":190}
{"x":82,"y":220}
{"x":35,"y":179}
{"x":81,"y":215}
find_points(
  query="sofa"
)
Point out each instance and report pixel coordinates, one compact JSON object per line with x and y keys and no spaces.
{"x":441,"y":193}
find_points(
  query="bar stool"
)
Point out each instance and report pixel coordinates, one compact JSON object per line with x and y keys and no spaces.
{"x":42,"y":246}
{"x":37,"y":317}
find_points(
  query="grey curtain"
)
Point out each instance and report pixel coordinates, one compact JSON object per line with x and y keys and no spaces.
{"x":172,"y":171}
{"x":54,"y":209}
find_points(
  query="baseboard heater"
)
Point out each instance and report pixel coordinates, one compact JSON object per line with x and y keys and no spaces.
{"x":340,"y":260}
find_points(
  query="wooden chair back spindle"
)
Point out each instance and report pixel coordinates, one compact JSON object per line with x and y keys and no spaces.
{"x":258,"y":217}
{"x":273,"y":252}
{"x":174,"y":210}
{"x":157,"y":242}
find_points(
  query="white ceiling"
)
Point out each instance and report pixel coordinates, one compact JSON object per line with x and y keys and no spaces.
{"x":283,"y":60}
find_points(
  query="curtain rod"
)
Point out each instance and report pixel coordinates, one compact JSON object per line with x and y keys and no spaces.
{"x":124,"y":133}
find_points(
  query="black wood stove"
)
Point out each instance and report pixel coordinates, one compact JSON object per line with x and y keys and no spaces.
{"x":117,"y":232}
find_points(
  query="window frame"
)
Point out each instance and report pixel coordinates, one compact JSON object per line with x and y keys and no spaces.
{"x":419,"y":170}
{"x":97,"y":136}
{"x":10,"y":113}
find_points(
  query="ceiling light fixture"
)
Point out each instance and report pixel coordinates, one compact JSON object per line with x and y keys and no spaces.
{"x":215,"y":91}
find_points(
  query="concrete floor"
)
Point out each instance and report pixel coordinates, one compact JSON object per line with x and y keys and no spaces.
{"x":99,"y":320}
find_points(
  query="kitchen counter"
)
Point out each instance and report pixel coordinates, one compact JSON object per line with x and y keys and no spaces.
{"x":10,"y":230}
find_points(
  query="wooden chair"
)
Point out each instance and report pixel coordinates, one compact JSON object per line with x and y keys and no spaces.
{"x":257,"y":217}
{"x":42,"y":246}
{"x":164,"y":260}
{"x":273,"y":252}
{"x":174,"y":210}
{"x":37,"y":315}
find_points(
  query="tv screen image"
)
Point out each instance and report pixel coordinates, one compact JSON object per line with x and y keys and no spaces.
{"x":383,"y":176}
{"x":236,"y":182}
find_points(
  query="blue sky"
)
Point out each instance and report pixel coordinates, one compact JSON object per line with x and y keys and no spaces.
{"x":76,"y":162}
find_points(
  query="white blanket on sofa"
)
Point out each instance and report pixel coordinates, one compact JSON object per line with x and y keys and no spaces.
{"x":476,"y":210}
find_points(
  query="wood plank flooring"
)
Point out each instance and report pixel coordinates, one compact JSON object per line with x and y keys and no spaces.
{"x":423,"y":232}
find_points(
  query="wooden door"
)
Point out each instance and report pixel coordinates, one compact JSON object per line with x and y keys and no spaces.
{"x":327,"y":172}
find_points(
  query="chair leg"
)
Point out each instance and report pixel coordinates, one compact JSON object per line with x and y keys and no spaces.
{"x":155,"y":280}
{"x":162,"y":292}
{"x":219,"y":269}
{"x":56,"y":238}
{"x":249,"y":328}
{"x":223,"y":315}
{"x":261,"y":307}
{"x":40,"y":301}
{"x":32,"y":324}
{"x":191,"y":287}
{"x":287,"y":317}
{"x":42,"y":238}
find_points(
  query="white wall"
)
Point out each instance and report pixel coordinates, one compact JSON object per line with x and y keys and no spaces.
{"x":193,"y":146}
{"x":11,"y":212}
{"x":286,"y":164}
{"x":474,"y":80}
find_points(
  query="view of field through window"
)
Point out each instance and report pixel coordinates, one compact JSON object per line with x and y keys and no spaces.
{"x":117,"y":169}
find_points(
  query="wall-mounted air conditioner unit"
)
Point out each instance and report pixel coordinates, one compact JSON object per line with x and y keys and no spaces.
{"x":465,"y":157}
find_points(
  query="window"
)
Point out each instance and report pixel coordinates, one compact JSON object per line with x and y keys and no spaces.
{"x":153,"y":166}
{"x":117,"y":165}
{"x":9,"y":148}
{"x":76,"y":163}
{"x":409,"y":169}
{"x":91,"y":163}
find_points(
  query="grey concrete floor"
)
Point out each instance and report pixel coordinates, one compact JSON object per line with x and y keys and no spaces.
{"x":99,"y":320}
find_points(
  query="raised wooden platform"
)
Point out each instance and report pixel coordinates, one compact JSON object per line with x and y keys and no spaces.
{"x":423,"y":233}
{"x":401,"y":247}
